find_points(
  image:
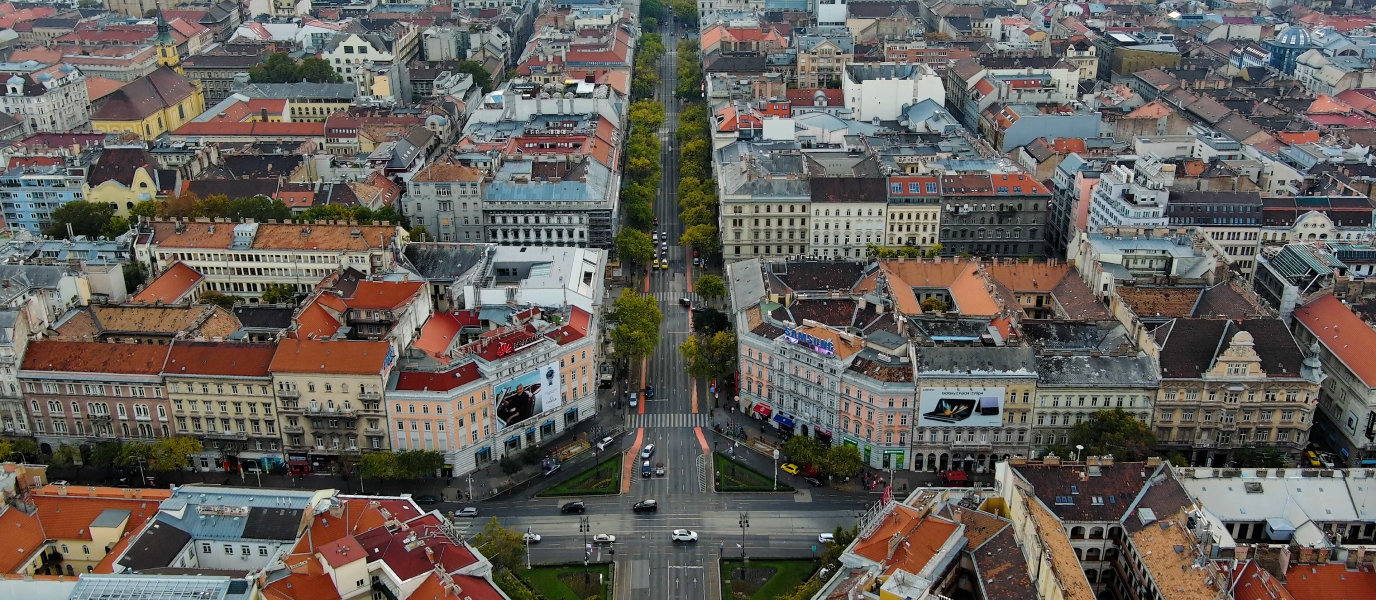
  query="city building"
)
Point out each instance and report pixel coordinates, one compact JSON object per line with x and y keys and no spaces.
{"x":449,"y":199}
{"x":61,"y":532}
{"x":80,"y":392}
{"x":883,"y":90}
{"x":1346,"y":418}
{"x":45,"y":98}
{"x":329,"y":395}
{"x":226,"y":386}
{"x":32,"y":193}
{"x":1233,"y":219}
{"x":848,"y":215}
{"x":759,"y":184}
{"x":1131,"y":197}
{"x":150,"y":106}
{"x":914,"y":212}
{"x":1002,"y":214}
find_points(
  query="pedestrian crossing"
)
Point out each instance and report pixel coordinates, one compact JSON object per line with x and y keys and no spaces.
{"x":655,"y":420}
{"x":674,"y":297}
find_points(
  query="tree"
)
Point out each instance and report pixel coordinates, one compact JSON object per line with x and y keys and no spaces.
{"x":531,"y":455}
{"x":934,"y":251}
{"x":220,"y":299}
{"x":179,"y":205}
{"x":135,"y":274}
{"x":115,"y":227}
{"x":933,"y":305}
{"x":414,"y":464}
{"x":842,"y":461}
{"x":1115,"y":432}
{"x":1261,"y":457}
{"x":635,"y":246}
{"x":504,"y":546}
{"x":697,"y":215}
{"x":709,"y":321}
{"x":389,"y":214}
{"x":686,"y":11}
{"x":146,"y":210}
{"x":259,"y":208}
{"x":277,"y":293}
{"x":131,"y":453}
{"x":481,"y":77}
{"x":711,"y":357}
{"x":86,"y":218}
{"x":1177,"y":459}
{"x":650,"y":22}
{"x":702,"y":237}
{"x":214,"y":207}
{"x":710,"y":287}
{"x":174,"y":453}
{"x":420,"y":233}
{"x":328,"y":212}
{"x":378,"y":465}
{"x":317,"y":70}
{"x":514,"y":588}
{"x":909,"y":252}
{"x":26,"y":447}
{"x":651,"y":9}
{"x":278,"y":68}
{"x":802,"y":450}
{"x":509,"y":464}
{"x":635,"y":318}
{"x":66,"y":454}
{"x":106,"y":454}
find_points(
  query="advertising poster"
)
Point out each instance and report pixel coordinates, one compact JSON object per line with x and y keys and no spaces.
{"x":960,"y":407}
{"x":528,"y":395}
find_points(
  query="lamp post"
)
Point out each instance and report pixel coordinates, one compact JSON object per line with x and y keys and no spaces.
{"x":527,"y":537}
{"x":776,"y":469}
{"x":584,"y":528}
{"x":745,"y":524}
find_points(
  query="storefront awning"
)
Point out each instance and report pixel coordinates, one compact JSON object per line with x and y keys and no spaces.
{"x":824,"y":434}
{"x":530,"y":431}
{"x":763,"y":409}
{"x":784,"y":419}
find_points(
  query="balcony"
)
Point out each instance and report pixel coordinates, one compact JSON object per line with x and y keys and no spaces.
{"x":226,"y":435}
{"x":370,"y":432}
{"x":370,"y":396}
{"x":288,"y":393}
{"x":293,"y":429}
{"x":972,"y":446}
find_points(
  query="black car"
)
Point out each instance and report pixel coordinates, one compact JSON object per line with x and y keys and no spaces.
{"x":426,"y":499}
{"x":573,"y":507}
{"x":814,"y":481}
{"x":649,"y":391}
{"x":646,"y":506}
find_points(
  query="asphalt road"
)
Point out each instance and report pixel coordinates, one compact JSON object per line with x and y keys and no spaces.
{"x":678,"y":422}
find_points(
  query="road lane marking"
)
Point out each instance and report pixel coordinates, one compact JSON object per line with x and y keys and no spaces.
{"x":630,"y":461}
{"x":702,"y":441}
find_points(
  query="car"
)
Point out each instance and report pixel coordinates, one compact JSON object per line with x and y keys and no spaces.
{"x":532,"y":538}
{"x":654,"y":236}
{"x":633,"y":399}
{"x":659,"y":469}
{"x":604,"y":538}
{"x":551,"y":470}
{"x":467,"y":511}
{"x":664,"y":264}
{"x":826,"y":537}
{"x":683,"y":535}
{"x":813,"y":481}
{"x":654,"y":264}
{"x":606,"y":441}
{"x":573,"y":507}
{"x":685,"y":302}
{"x":646,"y":506}
{"x":789,"y":468}
{"x":647,"y":451}
{"x":1327,"y":460}
{"x":1313,"y":458}
{"x":645,"y":469}
{"x":649,"y":392}
{"x":426,"y":499}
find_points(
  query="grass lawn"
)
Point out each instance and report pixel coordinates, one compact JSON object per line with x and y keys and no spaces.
{"x":764,"y":579}
{"x":566,"y":583}
{"x":736,"y":477}
{"x":604,"y":478}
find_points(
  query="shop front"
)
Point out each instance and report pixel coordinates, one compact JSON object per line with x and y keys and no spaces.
{"x":783,"y":422}
{"x":762,"y":411}
{"x":298,"y":464}
{"x":894,"y":459}
{"x":823,"y":436}
{"x":263,"y":461}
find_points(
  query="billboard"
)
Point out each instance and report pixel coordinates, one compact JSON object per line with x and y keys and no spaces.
{"x":960,"y":407}
{"x":528,"y":395}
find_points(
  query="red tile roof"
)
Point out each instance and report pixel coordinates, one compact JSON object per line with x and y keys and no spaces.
{"x":1330,"y":582}
{"x":171,"y":286}
{"x":232,"y":359}
{"x":1327,"y":316}
{"x":343,"y":357}
{"x":70,"y":517}
{"x":254,"y":129}
{"x":23,"y":535}
{"x":308,"y":581}
{"x":439,"y":334}
{"x":341,"y":551}
{"x":95,"y":357}
{"x":1255,"y":583}
{"x":383,"y":295}
{"x":923,"y":537}
{"x":315,"y":322}
{"x":438,"y":382}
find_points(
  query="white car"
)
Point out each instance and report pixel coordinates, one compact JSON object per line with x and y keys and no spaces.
{"x":648,"y":451}
{"x":533,"y":538}
{"x":467,"y":511}
{"x":603,"y":538}
{"x":683,"y":535}
{"x":826,"y":537}
{"x":606,"y":441}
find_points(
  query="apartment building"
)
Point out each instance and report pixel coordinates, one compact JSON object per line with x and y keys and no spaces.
{"x":349,"y":305}
{"x":975,"y":406}
{"x":1347,"y":398}
{"x":1233,"y":219}
{"x":822,"y":57}
{"x":1228,"y":384}
{"x":994,"y":214}
{"x":449,"y":197}
{"x":848,"y":215}
{"x":15,"y":327}
{"x":1072,"y":385}
{"x":329,"y":400}
{"x":221,"y":394}
{"x":31,"y":193}
{"x":80,"y":392}
{"x":914,"y":212}
{"x":46,"y":98}
{"x":242,"y":259}
{"x":1125,"y":197}
{"x":765,"y":199}
{"x":371,"y":61}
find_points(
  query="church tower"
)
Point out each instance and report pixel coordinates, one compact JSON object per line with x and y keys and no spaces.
{"x":167,"y":46}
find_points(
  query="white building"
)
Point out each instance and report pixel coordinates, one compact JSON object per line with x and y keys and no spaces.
{"x":369,"y":61}
{"x":47,"y":98}
{"x":848,"y":215}
{"x":1132,"y":197}
{"x":883,"y":90}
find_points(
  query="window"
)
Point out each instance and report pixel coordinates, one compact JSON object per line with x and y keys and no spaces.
{"x":229,"y":549}
{"x":205,"y":547}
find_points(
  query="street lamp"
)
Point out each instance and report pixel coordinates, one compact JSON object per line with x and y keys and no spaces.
{"x":745,"y":524}
{"x":776,"y":469}
{"x":1078,"y":449}
{"x":527,"y":537}
{"x":584,"y":527}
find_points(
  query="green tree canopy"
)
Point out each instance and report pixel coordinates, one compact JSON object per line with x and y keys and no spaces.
{"x":414,"y":464}
{"x":146,"y":209}
{"x":710,"y":287}
{"x":503,"y":546}
{"x":481,"y":77}
{"x":697,"y":215}
{"x":259,"y":208}
{"x":280,"y":68}
{"x":701,"y":237}
{"x":86,"y":218}
{"x":106,"y":454}
{"x":317,"y":70}
{"x":1261,"y":457}
{"x":378,"y":465}
{"x":277,"y":293}
{"x":174,"y":453}
{"x":1115,"y":432}
{"x":220,"y":299}
{"x":710,"y":357}
{"x":66,"y":454}
{"x":636,"y":319}
{"x":842,"y":461}
{"x":934,"y":305}
{"x":635,"y":246}
{"x":803,"y":450}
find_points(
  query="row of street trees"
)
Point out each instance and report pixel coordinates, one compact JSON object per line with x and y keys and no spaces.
{"x":643,"y":170}
{"x":646,"y":70}
{"x":836,"y":461}
{"x":408,"y":464}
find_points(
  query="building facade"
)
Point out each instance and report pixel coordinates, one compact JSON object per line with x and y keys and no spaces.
{"x":449,"y":199}
{"x":46,"y":98}
{"x":329,"y":400}
{"x":82,"y":392}
{"x":221,"y":393}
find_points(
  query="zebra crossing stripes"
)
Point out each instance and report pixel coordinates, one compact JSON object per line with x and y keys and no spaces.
{"x":655,"y":420}
{"x":674,"y":297}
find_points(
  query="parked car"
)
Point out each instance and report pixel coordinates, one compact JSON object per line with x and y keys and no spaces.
{"x":659,"y":469}
{"x":647,"y":451}
{"x":573,"y":507}
{"x":467,"y":511}
{"x":646,"y":506}
{"x":826,"y":537}
{"x":426,"y":499}
{"x":633,"y":399}
{"x":664,"y":264}
{"x":789,"y":468}
{"x":603,"y":538}
{"x":58,"y":482}
{"x":606,"y":441}
{"x":533,"y":538}
{"x":683,"y":535}
{"x":1313,"y":458}
{"x":815,"y":482}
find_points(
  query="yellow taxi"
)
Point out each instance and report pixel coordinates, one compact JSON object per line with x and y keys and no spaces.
{"x":789,"y":468}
